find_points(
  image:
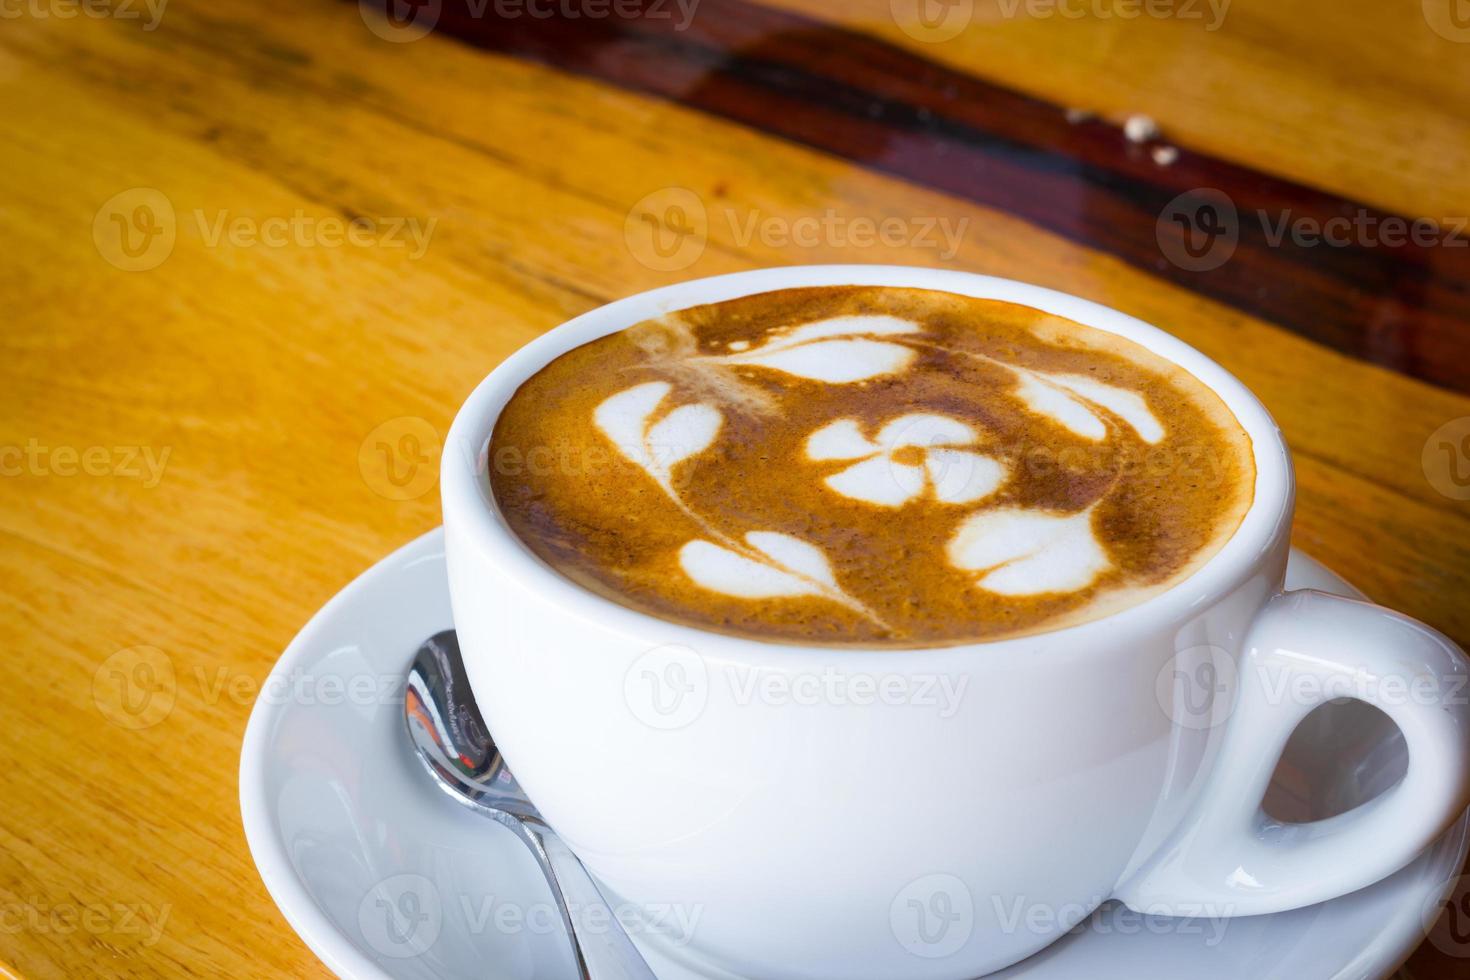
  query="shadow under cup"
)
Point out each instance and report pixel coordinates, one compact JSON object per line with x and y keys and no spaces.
{"x":783,"y":811}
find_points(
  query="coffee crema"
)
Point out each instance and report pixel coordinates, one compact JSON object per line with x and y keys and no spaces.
{"x":870,"y":466}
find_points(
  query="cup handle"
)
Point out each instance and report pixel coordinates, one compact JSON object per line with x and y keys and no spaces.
{"x":1306,"y":648}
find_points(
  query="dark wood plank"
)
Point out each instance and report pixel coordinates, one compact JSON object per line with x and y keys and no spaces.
{"x":1401,"y":304}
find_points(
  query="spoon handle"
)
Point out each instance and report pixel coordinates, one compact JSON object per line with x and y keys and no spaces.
{"x":603,"y":949}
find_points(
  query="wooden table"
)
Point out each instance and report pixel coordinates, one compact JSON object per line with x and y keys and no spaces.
{"x":256,"y":253}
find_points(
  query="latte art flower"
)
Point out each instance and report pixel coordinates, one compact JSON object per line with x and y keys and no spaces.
{"x":834,"y":465}
{"x":910,"y":455}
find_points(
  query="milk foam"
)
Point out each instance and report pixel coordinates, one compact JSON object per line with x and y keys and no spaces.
{"x":904,"y":498}
{"x":839,"y":350}
{"x":1017,"y":552}
{"x":625,"y":420}
{"x":1020,"y":552}
{"x":953,"y":475}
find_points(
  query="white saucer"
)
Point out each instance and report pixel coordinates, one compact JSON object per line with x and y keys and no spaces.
{"x":385,"y":878}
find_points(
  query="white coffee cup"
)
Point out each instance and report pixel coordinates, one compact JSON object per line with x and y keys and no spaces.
{"x":781,"y":811}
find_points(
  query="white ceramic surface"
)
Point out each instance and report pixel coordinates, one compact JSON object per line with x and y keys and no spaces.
{"x":354,"y":841}
{"x":912,"y":837}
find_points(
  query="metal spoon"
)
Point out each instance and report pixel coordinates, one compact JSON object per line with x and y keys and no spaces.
{"x":446,"y":728}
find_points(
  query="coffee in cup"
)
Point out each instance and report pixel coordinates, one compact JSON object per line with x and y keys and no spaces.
{"x":889,"y":467}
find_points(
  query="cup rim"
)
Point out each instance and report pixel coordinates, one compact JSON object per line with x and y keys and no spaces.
{"x":470,"y":508}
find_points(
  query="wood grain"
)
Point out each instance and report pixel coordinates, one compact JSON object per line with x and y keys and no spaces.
{"x":1386,"y":288}
{"x":1361,"y":100}
{"x":262,"y":370}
